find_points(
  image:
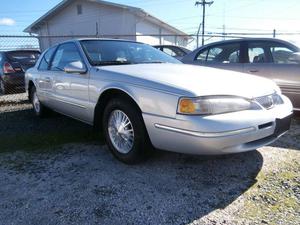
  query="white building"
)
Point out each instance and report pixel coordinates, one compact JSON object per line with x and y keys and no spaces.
{"x":75,"y":18}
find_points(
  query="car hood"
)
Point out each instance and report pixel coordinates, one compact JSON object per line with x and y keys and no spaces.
{"x":198,"y":80}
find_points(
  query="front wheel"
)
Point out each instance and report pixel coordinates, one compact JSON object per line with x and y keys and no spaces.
{"x":125,"y":131}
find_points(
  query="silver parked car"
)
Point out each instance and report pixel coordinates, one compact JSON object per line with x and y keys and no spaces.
{"x":268,"y":57}
{"x":141,"y":97}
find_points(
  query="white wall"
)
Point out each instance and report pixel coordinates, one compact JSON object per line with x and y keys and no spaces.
{"x":144,"y":27}
{"x":67,"y":22}
{"x":115,"y":21}
{"x":106,"y":20}
{"x":162,"y":35}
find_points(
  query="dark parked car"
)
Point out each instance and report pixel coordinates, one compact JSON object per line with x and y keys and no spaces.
{"x":175,"y":51}
{"x":271,"y":58}
{"x":13,"y":66}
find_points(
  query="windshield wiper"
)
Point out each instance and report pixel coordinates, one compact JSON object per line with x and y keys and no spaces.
{"x":107,"y":63}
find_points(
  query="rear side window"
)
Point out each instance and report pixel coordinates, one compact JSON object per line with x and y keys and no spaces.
{"x":282,"y":55}
{"x":268,"y":52}
{"x":45,"y":62}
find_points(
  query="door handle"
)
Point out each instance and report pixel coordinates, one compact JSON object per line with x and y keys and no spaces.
{"x":253,"y":71}
{"x":47,"y":79}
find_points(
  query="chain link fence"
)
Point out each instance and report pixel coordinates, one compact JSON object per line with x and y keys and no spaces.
{"x":12,"y":86}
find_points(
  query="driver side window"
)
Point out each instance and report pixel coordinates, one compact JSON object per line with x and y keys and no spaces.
{"x":65,"y":54}
{"x":227,"y":53}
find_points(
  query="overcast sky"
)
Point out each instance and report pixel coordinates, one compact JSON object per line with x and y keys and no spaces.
{"x":242,"y":16}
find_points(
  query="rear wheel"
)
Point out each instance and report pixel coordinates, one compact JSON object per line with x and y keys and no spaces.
{"x":38,"y":108}
{"x":125,"y":131}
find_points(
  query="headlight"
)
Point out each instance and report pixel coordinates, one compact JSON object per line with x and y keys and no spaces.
{"x":212,"y":105}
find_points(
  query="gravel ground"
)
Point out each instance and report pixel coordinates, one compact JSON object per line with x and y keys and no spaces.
{"x":9,"y":103}
{"x":56,"y":171}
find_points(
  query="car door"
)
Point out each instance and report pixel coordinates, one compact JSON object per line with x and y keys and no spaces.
{"x":70,"y":89}
{"x":271,"y":60}
{"x":223,"y":56}
{"x":44,"y":79}
{"x":286,"y":72}
{"x":258,"y":59}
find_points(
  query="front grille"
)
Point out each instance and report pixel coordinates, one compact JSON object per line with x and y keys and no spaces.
{"x":269,"y":101}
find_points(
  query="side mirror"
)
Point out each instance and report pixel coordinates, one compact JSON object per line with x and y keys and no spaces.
{"x":295,"y":57}
{"x":75,"y":67}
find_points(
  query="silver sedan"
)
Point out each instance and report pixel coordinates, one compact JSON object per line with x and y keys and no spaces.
{"x":140,"y":98}
{"x":267,"y":57}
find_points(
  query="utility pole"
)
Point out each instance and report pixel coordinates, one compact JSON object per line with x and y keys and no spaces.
{"x":203,"y":3}
{"x":198,"y":34}
{"x":224,"y":31}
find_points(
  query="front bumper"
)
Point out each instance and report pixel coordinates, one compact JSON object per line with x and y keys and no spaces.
{"x":219,"y":134}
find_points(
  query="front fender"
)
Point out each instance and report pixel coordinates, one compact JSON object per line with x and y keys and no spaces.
{"x":150,"y":101}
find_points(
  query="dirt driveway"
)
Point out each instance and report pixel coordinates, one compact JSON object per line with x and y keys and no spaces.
{"x":56,"y":171}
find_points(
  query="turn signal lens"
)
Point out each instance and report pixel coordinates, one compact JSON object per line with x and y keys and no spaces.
{"x":186,"y":106}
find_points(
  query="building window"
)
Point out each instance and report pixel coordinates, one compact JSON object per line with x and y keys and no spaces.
{"x":79,"y":9}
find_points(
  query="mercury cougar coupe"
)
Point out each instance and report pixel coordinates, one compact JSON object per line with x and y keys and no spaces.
{"x":140,"y":97}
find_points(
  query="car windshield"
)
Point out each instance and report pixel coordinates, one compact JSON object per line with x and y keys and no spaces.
{"x":112,"y":52}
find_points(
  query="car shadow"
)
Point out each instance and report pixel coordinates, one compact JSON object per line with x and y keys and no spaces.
{"x":21,"y":129}
{"x":74,"y":179}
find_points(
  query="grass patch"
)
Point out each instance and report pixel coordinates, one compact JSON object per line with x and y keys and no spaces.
{"x":274,"y":197}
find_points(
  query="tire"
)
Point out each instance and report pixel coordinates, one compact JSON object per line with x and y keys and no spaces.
{"x":38,"y":108}
{"x":3,"y":88}
{"x":137,"y":140}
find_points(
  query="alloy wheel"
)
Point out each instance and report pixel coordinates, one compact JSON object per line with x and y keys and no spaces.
{"x":120,"y":131}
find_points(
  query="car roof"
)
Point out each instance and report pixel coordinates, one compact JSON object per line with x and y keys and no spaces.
{"x":250,"y":39}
